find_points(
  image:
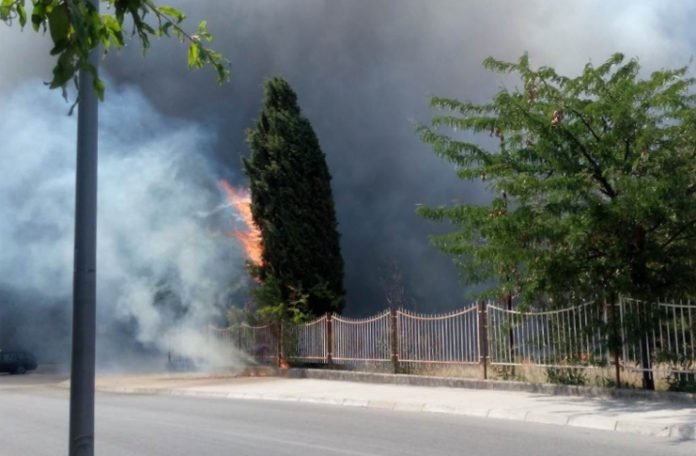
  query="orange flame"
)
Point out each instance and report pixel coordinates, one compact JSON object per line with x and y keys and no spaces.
{"x":250,"y":239}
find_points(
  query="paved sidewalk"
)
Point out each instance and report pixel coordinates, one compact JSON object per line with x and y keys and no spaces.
{"x":647,"y":417}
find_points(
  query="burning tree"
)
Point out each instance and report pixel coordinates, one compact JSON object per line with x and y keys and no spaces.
{"x":301,"y":267}
{"x":250,"y":239}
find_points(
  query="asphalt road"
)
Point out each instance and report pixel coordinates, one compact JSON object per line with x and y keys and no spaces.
{"x":34,"y":421}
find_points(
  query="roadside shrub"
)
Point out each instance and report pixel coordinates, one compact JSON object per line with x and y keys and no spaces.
{"x":566,"y":376}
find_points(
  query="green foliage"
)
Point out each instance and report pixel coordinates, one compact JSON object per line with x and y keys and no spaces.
{"x":681,"y":382}
{"x":593,"y":182}
{"x":273,"y":305}
{"x":270,"y":301}
{"x":682,"y":371}
{"x":76,"y":27}
{"x":566,"y":376}
{"x":292,"y":204}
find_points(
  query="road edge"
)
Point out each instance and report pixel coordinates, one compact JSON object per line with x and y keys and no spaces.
{"x":682,"y":432}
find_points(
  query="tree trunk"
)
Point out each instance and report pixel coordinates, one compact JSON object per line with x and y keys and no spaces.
{"x":639,"y":277}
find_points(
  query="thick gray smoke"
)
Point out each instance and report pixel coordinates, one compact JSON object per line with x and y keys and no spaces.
{"x":363,"y":71}
{"x":166,"y":265}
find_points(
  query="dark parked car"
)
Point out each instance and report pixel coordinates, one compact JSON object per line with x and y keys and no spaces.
{"x":16,"y":362}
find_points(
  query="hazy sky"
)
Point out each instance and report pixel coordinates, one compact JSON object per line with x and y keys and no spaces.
{"x":363,"y":71}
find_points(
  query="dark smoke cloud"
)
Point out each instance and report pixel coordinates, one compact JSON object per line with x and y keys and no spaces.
{"x":363,"y":71}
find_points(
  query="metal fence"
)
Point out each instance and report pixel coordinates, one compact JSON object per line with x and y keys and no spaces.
{"x":554,"y":338}
{"x":660,"y":337}
{"x":449,"y":338}
{"x":361,"y":339}
{"x":259,"y":342}
{"x":306,"y":341}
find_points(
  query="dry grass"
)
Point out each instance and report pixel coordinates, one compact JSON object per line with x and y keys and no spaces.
{"x":526,"y":372}
{"x":594,"y":376}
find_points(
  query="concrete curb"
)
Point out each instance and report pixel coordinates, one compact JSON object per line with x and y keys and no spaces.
{"x":542,"y":388}
{"x":676,"y":431}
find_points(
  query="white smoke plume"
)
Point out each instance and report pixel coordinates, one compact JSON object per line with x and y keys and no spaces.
{"x":165,"y":268}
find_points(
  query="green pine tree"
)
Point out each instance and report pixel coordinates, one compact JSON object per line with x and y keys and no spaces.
{"x":292,"y":204}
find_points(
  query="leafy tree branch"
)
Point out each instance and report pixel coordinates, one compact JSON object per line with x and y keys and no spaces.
{"x":75,"y":28}
{"x":591,"y":179}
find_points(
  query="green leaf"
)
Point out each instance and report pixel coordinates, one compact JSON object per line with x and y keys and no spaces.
{"x":164,"y":30}
{"x":58,"y":24}
{"x":172,"y":12}
{"x":99,"y":87}
{"x":79,"y":24}
{"x":22,"y":13}
{"x":114,"y":31}
{"x":194,"y":56}
{"x":38,"y":16}
{"x":60,"y":47}
{"x":63,"y":71}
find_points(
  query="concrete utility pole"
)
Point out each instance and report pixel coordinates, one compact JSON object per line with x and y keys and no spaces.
{"x":85,"y":267}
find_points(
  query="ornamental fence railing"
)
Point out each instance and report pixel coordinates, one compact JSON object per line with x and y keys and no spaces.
{"x":258,"y":342}
{"x":361,"y":339}
{"x":658,"y":338}
{"x":553,"y":338}
{"x":629,"y":336}
{"x":449,"y":338}
{"x":306,"y":341}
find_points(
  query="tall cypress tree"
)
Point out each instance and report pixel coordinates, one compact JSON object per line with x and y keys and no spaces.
{"x":292,"y":204}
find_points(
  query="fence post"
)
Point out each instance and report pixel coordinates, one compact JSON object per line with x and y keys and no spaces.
{"x":483,"y":337}
{"x":394,"y":339}
{"x":645,"y":355}
{"x":614,"y":338}
{"x":280,"y":344}
{"x":239,"y":337}
{"x":511,"y":333}
{"x":329,"y":340}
